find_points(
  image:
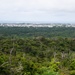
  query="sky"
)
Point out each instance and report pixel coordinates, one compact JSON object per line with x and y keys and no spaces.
{"x":54,"y":11}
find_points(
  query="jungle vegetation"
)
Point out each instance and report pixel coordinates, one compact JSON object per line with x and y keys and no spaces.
{"x":37,"y":51}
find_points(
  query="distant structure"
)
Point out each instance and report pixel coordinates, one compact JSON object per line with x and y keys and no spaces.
{"x":36,"y":25}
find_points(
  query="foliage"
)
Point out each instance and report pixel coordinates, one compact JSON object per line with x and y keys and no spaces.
{"x":53,"y":32}
{"x":37,"y":56}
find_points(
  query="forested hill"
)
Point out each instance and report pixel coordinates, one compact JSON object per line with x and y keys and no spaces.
{"x":38,"y":56}
{"x":38,"y":31}
{"x":37,"y":51}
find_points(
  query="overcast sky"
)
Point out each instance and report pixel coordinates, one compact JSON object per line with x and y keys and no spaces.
{"x":37,"y":11}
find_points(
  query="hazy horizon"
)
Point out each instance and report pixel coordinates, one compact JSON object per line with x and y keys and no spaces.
{"x":36,"y":22}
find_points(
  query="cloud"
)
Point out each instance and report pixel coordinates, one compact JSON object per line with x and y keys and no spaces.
{"x":38,"y":10}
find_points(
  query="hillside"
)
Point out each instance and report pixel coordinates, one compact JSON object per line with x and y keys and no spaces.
{"x":37,"y":51}
{"x":38,"y":56}
{"x":38,"y":31}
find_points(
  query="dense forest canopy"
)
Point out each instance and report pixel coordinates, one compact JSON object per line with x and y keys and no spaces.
{"x":38,"y":31}
{"x":37,"y":51}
